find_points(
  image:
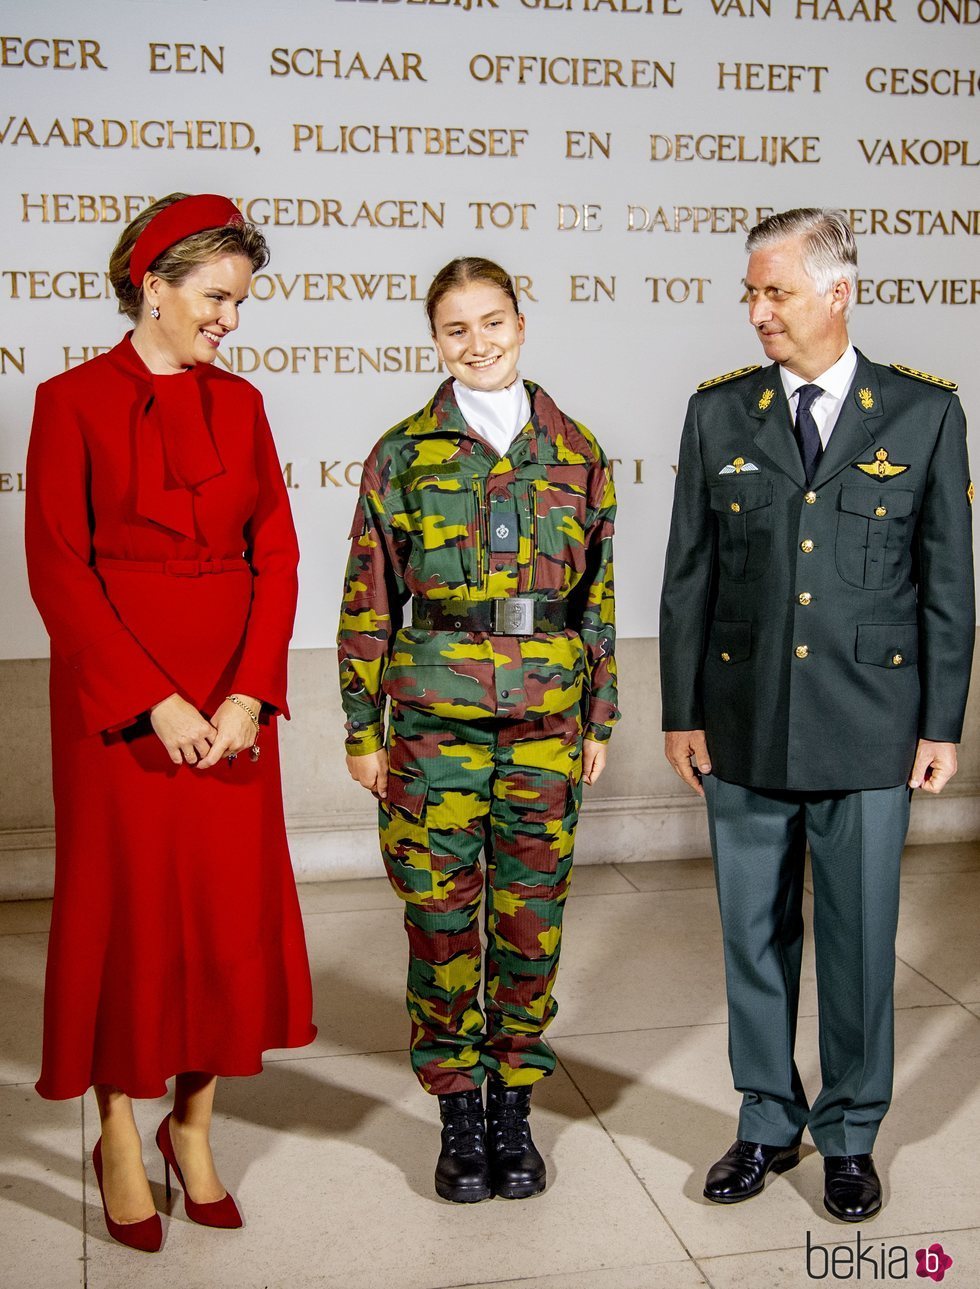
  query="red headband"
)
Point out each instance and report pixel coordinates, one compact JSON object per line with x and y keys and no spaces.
{"x":175,"y":222}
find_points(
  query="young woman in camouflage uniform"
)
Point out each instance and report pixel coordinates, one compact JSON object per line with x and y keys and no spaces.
{"x":492,"y":512}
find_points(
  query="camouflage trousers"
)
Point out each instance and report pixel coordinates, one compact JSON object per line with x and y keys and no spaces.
{"x":509,"y":790}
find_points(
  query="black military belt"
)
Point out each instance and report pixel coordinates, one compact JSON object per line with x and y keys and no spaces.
{"x":517,"y":615}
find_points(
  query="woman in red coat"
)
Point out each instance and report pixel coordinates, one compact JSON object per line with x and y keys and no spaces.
{"x":162,"y":557}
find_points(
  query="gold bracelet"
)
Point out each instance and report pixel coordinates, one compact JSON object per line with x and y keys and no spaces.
{"x":253,"y":717}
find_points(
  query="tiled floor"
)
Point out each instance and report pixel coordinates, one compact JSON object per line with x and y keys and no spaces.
{"x":330,"y":1152}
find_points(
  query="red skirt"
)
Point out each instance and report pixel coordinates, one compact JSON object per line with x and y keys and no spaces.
{"x":176,"y":937}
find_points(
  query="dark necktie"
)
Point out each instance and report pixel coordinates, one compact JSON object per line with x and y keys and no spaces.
{"x":807,"y":434}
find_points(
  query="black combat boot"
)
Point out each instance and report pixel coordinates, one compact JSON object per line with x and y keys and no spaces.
{"x":463,"y":1171}
{"x":516,"y":1168}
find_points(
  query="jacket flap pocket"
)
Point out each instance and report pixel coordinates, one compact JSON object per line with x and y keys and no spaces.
{"x":737,"y":498}
{"x":407,"y":792}
{"x":730,"y":641}
{"x":877,"y":503}
{"x":888,"y":644}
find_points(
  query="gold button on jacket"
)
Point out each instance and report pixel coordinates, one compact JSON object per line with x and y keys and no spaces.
{"x":802,"y":651}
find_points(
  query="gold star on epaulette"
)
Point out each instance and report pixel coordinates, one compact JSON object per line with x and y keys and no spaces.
{"x":924,"y":375}
{"x":729,"y":375}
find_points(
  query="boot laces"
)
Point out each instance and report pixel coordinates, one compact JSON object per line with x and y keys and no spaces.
{"x":465,"y":1132}
{"x":511,"y":1130}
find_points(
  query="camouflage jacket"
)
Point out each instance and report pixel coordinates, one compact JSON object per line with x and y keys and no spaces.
{"x":429,"y":491}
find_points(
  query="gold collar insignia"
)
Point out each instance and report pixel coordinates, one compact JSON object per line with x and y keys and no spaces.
{"x":765,"y":401}
{"x":880,"y":467}
{"x":866,"y":398}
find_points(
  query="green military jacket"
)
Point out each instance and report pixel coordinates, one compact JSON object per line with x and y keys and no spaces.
{"x":816,"y":634}
{"x":429,"y":493}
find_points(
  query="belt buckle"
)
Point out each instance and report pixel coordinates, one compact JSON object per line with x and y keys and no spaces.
{"x":514,"y":616}
{"x":182,"y":568}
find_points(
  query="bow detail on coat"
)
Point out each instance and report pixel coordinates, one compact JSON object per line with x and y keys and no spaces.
{"x":175,"y":452}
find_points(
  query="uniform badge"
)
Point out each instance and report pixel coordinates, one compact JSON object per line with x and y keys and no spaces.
{"x":880,"y":467}
{"x":866,"y":399}
{"x":739,"y":466}
{"x":765,"y":401}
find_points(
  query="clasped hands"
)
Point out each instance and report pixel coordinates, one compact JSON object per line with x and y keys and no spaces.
{"x":189,"y":736}
{"x":371,"y":770}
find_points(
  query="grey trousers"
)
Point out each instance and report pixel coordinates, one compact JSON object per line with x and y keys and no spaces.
{"x":758,"y":841}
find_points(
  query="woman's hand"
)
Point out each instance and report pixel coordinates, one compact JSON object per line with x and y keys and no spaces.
{"x":593,"y":761}
{"x":371,"y":772}
{"x":236,"y":731}
{"x":182,"y":730}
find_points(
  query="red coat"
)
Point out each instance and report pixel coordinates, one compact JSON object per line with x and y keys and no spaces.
{"x":176,"y":941}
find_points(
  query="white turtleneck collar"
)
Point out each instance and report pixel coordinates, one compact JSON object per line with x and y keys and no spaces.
{"x":497,"y":415}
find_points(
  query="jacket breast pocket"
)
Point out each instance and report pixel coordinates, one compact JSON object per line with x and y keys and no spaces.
{"x":874,"y":535}
{"x":438,"y":513}
{"x":743,"y":512}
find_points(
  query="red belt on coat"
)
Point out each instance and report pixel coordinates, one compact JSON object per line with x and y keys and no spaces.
{"x":176,"y":567}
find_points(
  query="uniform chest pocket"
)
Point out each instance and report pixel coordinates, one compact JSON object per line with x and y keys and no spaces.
{"x":560,"y":520}
{"x":438,"y":513}
{"x":744,"y":515}
{"x":874,"y":533}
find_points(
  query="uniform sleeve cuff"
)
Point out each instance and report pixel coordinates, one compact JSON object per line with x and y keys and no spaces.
{"x":365,"y":741}
{"x":598,"y":733}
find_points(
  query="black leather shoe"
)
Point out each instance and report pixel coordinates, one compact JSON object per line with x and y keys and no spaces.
{"x":516,"y":1169}
{"x":463,"y":1170}
{"x":741,"y":1171}
{"x":851,"y":1187}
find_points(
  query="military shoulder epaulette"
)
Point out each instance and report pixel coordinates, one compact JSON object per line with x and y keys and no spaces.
{"x":924,"y":375}
{"x":729,"y":375}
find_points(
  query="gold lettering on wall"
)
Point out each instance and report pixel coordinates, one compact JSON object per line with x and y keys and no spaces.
{"x":944,"y":81}
{"x":55,"y":53}
{"x":845,"y":10}
{"x":338,"y":360}
{"x":677,"y":290}
{"x":186,"y":57}
{"x":408,"y":140}
{"x":772,"y":78}
{"x":337,"y":65}
{"x":919,"y":152}
{"x":64,"y":284}
{"x":11,"y":360}
{"x":764,"y":149}
{"x":501,"y":214}
{"x":594,"y":73}
{"x":83,"y":131}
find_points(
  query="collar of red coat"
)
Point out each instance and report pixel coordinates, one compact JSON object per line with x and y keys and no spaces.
{"x":175,"y":450}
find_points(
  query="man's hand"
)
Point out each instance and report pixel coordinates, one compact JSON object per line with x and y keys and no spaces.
{"x":679,"y":747}
{"x":371,"y":772}
{"x":934,"y":766}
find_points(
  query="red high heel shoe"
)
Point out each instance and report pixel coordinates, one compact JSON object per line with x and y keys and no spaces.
{"x":147,"y":1236}
{"x":220,"y":1212}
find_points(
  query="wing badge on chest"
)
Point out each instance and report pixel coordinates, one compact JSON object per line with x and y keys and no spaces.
{"x":880,"y":467}
{"x":739,"y":466}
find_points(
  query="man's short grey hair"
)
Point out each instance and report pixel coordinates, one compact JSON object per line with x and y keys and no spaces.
{"x":829,"y":250}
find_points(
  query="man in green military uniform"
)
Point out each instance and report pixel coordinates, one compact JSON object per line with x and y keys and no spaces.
{"x":817,"y":629}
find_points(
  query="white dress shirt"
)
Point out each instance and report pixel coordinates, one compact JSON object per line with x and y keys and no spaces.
{"x":835,"y":382}
{"x":497,"y":415}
